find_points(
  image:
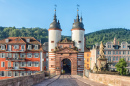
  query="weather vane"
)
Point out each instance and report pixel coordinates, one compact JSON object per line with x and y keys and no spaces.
{"x":55,"y":6}
{"x":77,"y":7}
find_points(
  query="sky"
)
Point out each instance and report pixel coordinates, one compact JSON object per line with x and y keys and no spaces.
{"x":97,"y":14}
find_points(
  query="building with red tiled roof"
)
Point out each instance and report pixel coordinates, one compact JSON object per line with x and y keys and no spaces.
{"x":20,"y":56}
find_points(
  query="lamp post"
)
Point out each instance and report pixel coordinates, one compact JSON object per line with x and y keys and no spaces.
{"x":90,"y":62}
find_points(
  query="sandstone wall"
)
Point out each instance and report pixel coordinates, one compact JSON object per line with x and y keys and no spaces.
{"x":23,"y":81}
{"x":113,"y":80}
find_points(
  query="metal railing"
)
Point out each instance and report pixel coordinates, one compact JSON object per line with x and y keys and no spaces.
{"x":15,"y":50}
{"x":15,"y":59}
{"x":14,"y":68}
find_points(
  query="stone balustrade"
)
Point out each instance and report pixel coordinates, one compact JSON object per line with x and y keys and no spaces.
{"x":23,"y":80}
{"x":114,"y":80}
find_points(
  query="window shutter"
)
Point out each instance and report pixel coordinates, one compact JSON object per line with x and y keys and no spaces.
{"x":0,"y":73}
{"x":38,"y":64}
{"x":7,"y":55}
{"x":24,"y":64}
{"x":17,"y":55}
{"x":4,"y":47}
{"x":32,"y":64}
{"x":9,"y":64}
{"x":2,"y":64}
{"x":24,"y":55}
{"x":31,"y":46}
{"x":26,"y":46}
{"x":34,"y":55}
{"x":5,"y":73}
{"x":27,"y":55}
{"x":11,"y":73}
{"x":13,"y":55}
{"x":31,"y":55}
{"x":38,"y":46}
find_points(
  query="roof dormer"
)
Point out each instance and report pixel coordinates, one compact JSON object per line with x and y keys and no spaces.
{"x":28,"y":40}
{"x":6,"y":40}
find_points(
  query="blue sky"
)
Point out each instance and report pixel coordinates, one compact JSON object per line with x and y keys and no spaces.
{"x":97,"y":14}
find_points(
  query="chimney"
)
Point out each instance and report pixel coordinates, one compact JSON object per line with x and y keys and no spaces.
{"x":114,"y":41}
{"x":118,"y":42}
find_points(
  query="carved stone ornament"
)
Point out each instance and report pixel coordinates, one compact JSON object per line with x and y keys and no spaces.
{"x":95,"y":69}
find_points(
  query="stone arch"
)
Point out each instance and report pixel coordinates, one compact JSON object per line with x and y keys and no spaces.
{"x":72,"y":58}
{"x":68,"y":67}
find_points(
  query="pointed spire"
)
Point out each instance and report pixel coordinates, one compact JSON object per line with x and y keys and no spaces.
{"x":55,"y":14}
{"x":58,"y":22}
{"x":81,"y":19}
{"x":77,"y":13}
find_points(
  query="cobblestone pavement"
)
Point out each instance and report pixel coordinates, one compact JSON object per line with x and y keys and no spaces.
{"x":68,"y":80}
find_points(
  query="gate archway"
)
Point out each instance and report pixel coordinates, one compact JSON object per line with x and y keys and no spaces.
{"x":66,"y":66}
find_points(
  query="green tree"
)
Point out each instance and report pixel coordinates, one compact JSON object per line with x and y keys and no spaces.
{"x":121,"y":66}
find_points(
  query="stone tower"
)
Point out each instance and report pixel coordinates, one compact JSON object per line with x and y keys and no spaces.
{"x":78,"y":33}
{"x":78,"y":38}
{"x":54,"y":38}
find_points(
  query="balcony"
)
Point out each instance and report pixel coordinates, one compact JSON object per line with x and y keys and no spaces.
{"x":15,"y":59}
{"x":14,"y":68}
{"x":15,"y":51}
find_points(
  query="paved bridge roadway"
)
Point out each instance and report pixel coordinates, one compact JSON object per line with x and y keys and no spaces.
{"x":68,"y":80}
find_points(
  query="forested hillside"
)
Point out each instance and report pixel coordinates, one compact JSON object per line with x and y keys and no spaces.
{"x":38,"y":33}
{"x":104,"y":35}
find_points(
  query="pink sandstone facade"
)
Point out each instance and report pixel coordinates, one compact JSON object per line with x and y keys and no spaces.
{"x":59,"y":50}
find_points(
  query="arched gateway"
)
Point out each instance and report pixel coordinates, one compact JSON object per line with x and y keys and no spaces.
{"x":66,"y":51}
{"x":66,"y":66}
{"x":73,"y":50}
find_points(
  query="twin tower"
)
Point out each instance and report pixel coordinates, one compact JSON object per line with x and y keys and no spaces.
{"x":63,"y":49}
{"x":77,"y":33}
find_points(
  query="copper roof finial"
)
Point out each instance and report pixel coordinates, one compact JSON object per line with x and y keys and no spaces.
{"x":55,"y":12}
{"x":77,"y":13}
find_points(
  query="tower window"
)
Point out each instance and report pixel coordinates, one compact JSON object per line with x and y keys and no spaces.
{"x":70,"y":46}
{"x":52,"y":41}
{"x":52,"y":49}
{"x":79,"y":41}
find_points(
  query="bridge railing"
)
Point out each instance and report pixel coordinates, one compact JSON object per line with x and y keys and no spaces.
{"x":23,"y":80}
{"x":49,"y":74}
